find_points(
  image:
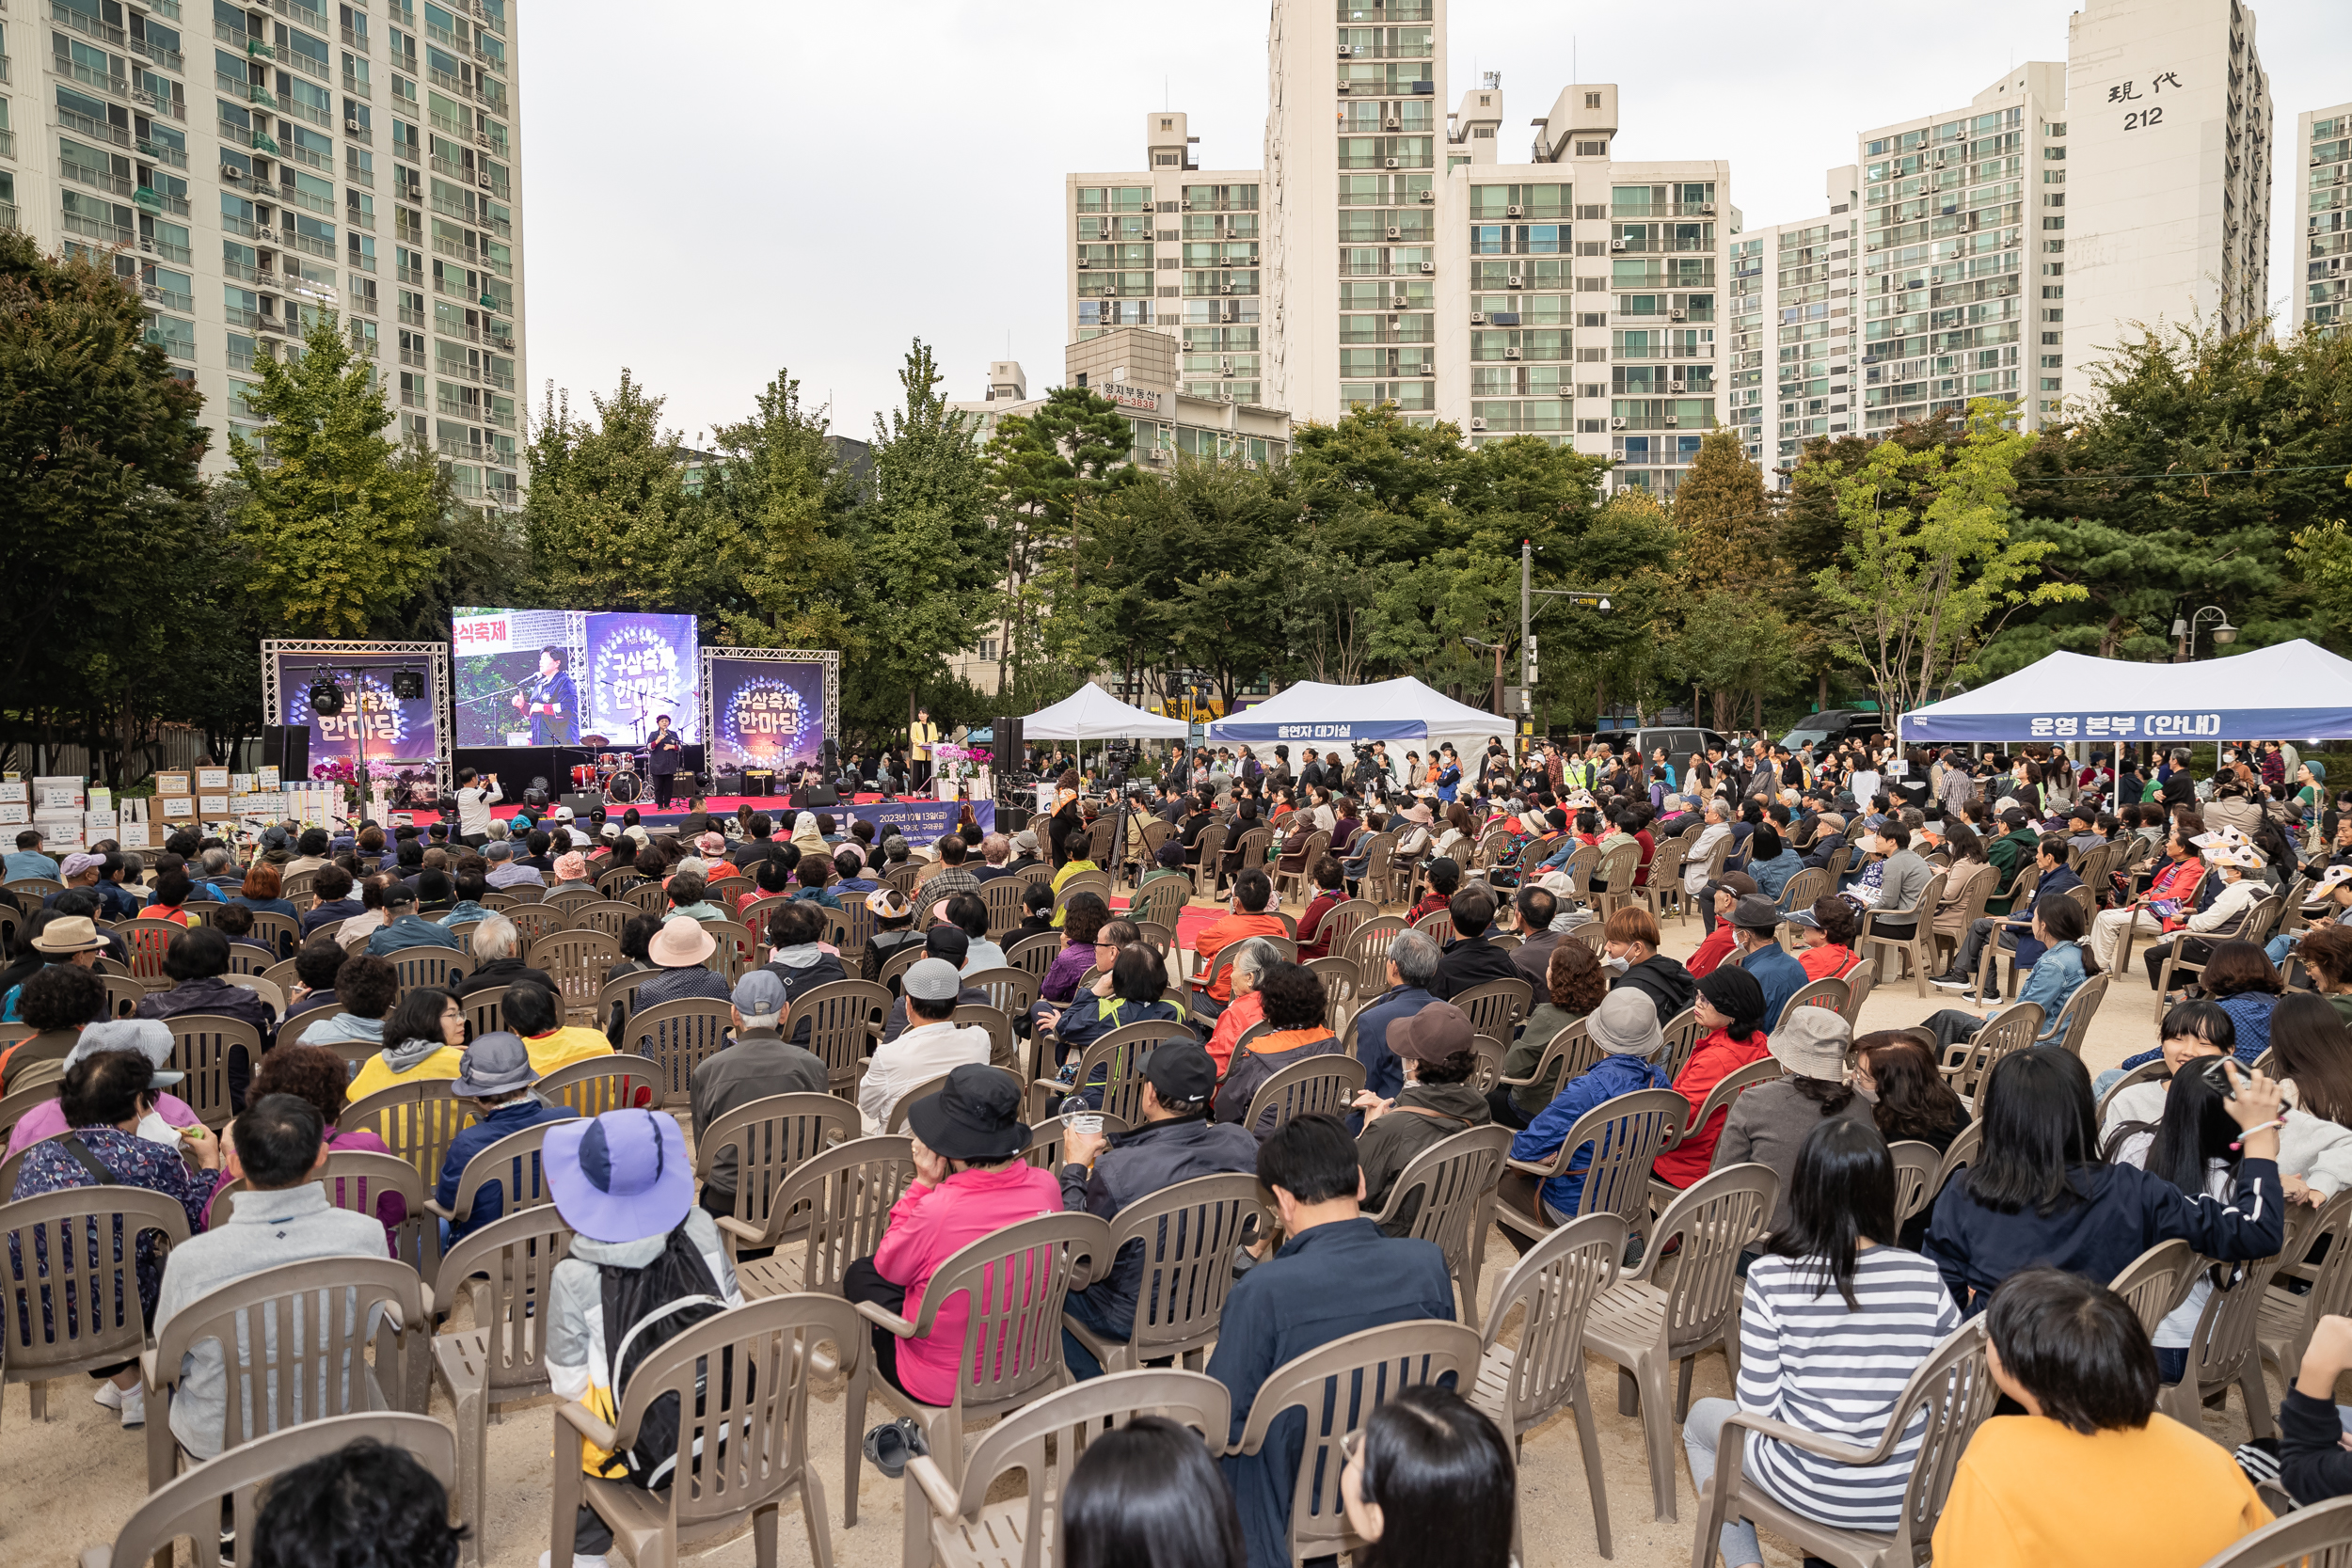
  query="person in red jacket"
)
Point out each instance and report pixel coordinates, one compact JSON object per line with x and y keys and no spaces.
{"x":1724,"y":892}
{"x":1331,"y":893}
{"x":1828,"y":931}
{"x":1731,"y":1009}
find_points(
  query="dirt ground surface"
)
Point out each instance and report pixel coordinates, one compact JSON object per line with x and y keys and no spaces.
{"x":73,"y":1480}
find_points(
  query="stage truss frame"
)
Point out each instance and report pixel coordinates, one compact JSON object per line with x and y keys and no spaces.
{"x":829,"y":658}
{"x":432,"y":655}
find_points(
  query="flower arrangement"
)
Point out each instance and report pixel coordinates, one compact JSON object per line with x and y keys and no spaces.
{"x":959,"y":761}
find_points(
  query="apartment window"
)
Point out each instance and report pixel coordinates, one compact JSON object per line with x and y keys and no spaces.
{"x":1591,"y":101}
{"x":1592,"y":150}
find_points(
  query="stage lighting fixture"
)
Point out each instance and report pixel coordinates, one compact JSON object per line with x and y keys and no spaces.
{"x":325,"y":697}
{"x":407,"y":685}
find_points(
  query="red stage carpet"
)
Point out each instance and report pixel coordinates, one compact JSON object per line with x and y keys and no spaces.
{"x":779,"y":814}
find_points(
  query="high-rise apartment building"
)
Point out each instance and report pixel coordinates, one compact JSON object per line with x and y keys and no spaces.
{"x":1962,"y":255}
{"x":1175,"y":248}
{"x":363,"y":161}
{"x":2168,"y":164}
{"x":2322,"y":171}
{"x":1791,"y":330}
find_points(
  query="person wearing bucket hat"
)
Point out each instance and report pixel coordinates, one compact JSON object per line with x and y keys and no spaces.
{"x":625,"y":1184}
{"x":932,"y":1044}
{"x":1769,"y":1123}
{"x":1438,"y":1049}
{"x":1731,"y":1008}
{"x":1756,"y":947}
{"x":1625,"y":1029}
{"x":679,"y":951}
{"x":2240,"y":867}
{"x":150,"y":1039}
{"x":496,"y":1074}
{"x":970,"y":1183}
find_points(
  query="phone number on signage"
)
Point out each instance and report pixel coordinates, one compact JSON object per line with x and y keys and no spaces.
{"x":2168,"y":725}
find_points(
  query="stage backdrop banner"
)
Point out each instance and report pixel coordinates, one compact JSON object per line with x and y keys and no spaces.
{"x":764,"y":712}
{"x":921,"y":823}
{"x":386,"y":727}
{"x":640,"y":667}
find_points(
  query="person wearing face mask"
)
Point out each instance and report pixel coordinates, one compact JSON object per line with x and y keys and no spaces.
{"x":1630,"y":955}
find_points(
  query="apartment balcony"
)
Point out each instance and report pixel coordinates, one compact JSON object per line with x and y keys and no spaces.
{"x":364,"y":304}
{"x":288,"y":103}
{"x":4,"y":68}
{"x":232,"y":224}
{"x":148,"y":199}
{"x":169,"y":252}
{"x":246,"y":273}
{"x":413,"y":357}
{"x":310,"y":157}
{"x":306,"y":65}
{"x":170,"y":59}
{"x":164,"y":154}
{"x":168,"y":299}
{"x":355,"y":175}
{"x":359,"y":87}
{"x":237,"y":315}
{"x":91,"y":228}
{"x":82,"y":125}
{"x":89,"y":76}
{"x":113,"y":184}
{"x":1669,"y":210}
{"x":355,"y":41}
{"x":361,"y":260}
{"x":296,"y":197}
{"x":82,"y":22}
{"x":411,"y":316}
{"x":414,"y":277}
{"x":363,"y":345}
{"x":293,"y":11}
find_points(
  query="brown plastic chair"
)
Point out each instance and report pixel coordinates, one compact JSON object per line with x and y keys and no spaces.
{"x":1004,"y":1046}
{"x":1665,"y":882}
{"x":1568,"y":1055}
{"x":512,"y":1166}
{"x":1485,"y":1063}
{"x":614,"y":883}
{"x":1615,"y":875}
{"x":1683,"y":1034}
{"x":1011,"y":992}
{"x":1185,"y":1235}
{"x":1210,"y":848}
{"x":59,"y":1257}
{"x":616,"y":998}
{"x":277,"y":932}
{"x":1645,"y":1326}
{"x":534,"y":920}
{"x":677,"y":1037}
{"x":1627,"y":1135}
{"x":598,"y":1084}
{"x":896,"y":1120}
{"x":1915,"y":1165}
{"x":647,"y":897}
{"x":1523,"y":1384}
{"x":1955,"y":1390}
{"x":773,"y":1137}
{"x":330,"y":1308}
{"x":1437,"y":925}
{"x":145,"y":940}
{"x":2224,"y":1349}
{"x":1858,"y":981}
{"x":2287,"y":1319}
{"x":201,"y":1047}
{"x":1035,"y":953}
{"x":418,"y":1121}
{"x":1964,"y":1149}
{"x":1326,"y":1084}
{"x":504,"y":1269}
{"x":827,"y":1212}
{"x":1368,"y":947}
{"x":28,"y":1094}
{"x":1013,"y":1284}
{"x":958,"y":1526}
{"x":1497,"y":1007}
{"x":2153,"y":1283}
{"x":736,"y":949}
{"x":1298,"y":863}
{"x":1965,"y":1064}
{"x":1002,"y":894}
{"x":1338,"y":1385}
{"x":2319,"y":1536}
{"x":1918,"y":948}
{"x":2145,"y":1073}
{"x":894,"y":968}
{"x":845,"y":1019}
{"x":1446,"y":1195}
{"x":1341,"y":923}
{"x":357,"y":1181}
{"x":1117,"y":1057}
{"x":190,"y":1507}
{"x":428,"y":965}
{"x":1096,"y":882}
{"x":607,"y":915}
{"x":742,"y":1383}
{"x":485,"y":1011}
{"x":2074,"y":1021}
{"x":575,"y":961}
{"x":1828,"y":991}
{"x":1046,"y":1140}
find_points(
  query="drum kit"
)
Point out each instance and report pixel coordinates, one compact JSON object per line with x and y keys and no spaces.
{"x":613,"y":774}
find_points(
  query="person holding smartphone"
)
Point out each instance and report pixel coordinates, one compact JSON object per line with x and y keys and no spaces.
{"x":476,"y":794}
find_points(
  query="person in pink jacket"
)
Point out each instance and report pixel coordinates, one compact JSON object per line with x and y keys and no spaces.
{"x":970,"y":1183}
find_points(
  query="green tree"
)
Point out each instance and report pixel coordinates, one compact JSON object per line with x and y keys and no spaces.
{"x":336,"y":525}
{"x":1725,"y":520}
{"x":99,"y":443}
{"x":1046,"y":468}
{"x":608,"y":515}
{"x":1919,"y":580}
{"x":779,"y":512}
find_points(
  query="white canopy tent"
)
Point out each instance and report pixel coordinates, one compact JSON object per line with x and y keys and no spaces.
{"x":1325,"y":716}
{"x":1092,"y":713}
{"x":2290,"y":691}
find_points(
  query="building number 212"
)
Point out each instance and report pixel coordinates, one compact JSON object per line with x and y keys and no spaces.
{"x":2139,"y":119}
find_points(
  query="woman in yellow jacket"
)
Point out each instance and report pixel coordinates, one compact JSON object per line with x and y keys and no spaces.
{"x":424,"y":1034}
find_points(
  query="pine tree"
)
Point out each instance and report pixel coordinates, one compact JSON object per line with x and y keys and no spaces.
{"x":337,"y":525}
{"x":607,"y":517}
{"x":1725,"y":519}
{"x":779,"y":508}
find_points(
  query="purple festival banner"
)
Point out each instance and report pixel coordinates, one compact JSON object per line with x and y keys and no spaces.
{"x":765,"y":713}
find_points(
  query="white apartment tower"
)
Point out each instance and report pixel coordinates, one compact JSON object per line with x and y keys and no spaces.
{"x":1177,"y":249}
{"x":363,"y":161}
{"x":1963,"y":254}
{"x":1791,"y":330}
{"x":2322,"y":171}
{"x":2168,"y":142}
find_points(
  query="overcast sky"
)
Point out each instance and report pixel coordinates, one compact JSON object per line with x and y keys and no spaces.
{"x":815,"y":185}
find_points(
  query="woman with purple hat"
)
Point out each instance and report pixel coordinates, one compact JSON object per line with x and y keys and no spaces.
{"x":625,"y":1186}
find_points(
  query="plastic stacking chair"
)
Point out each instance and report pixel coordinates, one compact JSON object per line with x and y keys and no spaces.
{"x":1183,"y":1237}
{"x":54,"y":1277}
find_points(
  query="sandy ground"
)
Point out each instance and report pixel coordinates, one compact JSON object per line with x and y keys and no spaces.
{"x":73,"y":1480}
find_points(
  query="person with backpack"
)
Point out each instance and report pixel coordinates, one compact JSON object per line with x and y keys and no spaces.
{"x":645,"y":1266}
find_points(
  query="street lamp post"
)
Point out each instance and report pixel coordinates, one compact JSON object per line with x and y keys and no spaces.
{"x":2184,"y":631}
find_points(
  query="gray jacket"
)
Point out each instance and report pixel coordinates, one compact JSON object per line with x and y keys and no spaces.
{"x":1903,"y":881}
{"x":758,"y":1062}
{"x":266,"y":1230}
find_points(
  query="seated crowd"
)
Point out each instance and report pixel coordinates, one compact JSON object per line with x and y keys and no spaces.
{"x":1809,"y":873}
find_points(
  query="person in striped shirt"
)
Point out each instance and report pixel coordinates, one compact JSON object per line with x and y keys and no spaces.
{"x":1835,"y":1322}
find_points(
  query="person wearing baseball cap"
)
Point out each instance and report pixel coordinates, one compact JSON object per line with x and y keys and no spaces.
{"x":1756,"y":947}
{"x":625,"y":1184}
{"x":970,"y":1183}
{"x":1438,"y":1049}
{"x":953,"y":945}
{"x":1769,"y":1123}
{"x":2015,"y":849}
{"x":932,"y":1044}
{"x":1103,"y":1174}
{"x":1626,"y":1031}
{"x":496,"y":1074}
{"x":758,"y":1063}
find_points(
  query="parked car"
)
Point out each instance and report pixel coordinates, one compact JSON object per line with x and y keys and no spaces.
{"x":1832,"y":726}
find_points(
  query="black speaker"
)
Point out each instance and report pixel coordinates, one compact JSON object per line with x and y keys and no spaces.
{"x":583,"y":804}
{"x":288,"y":749}
{"x":832,"y":756}
{"x":820,"y":795}
{"x":1005,"y":744}
{"x":727,"y":783}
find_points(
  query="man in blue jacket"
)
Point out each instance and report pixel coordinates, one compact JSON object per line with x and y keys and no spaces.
{"x":1756,"y":947}
{"x":1625,"y":1027}
{"x":1335,"y":1274}
{"x":497,"y":1075}
{"x":2057,"y":880}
